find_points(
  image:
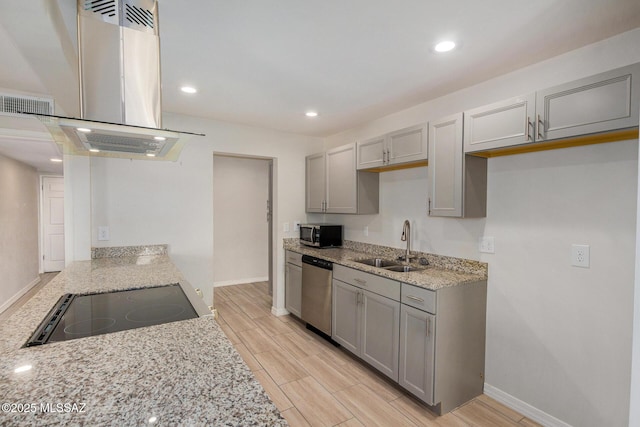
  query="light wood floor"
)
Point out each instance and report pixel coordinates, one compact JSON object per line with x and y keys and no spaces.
{"x":314,"y":383}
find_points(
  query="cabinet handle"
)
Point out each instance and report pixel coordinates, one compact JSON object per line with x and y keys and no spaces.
{"x":411,"y":297}
{"x":384,"y":157}
{"x":528,"y":124}
{"x":389,"y":156}
{"x":540,"y":125}
{"x":429,"y":207}
{"x":360,"y":282}
{"x":428,"y":326}
{"x":359,"y":298}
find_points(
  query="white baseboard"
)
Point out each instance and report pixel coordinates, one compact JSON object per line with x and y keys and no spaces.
{"x":239,"y":281}
{"x":19,"y":295}
{"x":279,"y":311}
{"x":524,"y":408}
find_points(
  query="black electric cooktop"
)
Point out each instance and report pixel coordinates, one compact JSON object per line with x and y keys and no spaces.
{"x":78,"y":316}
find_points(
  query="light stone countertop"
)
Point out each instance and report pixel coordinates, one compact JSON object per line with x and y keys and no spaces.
{"x":182,"y":373}
{"x":442,"y":271}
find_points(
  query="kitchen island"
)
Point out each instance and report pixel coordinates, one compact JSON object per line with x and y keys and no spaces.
{"x":179,"y":373}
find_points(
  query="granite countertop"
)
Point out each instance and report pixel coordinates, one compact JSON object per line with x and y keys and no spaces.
{"x":179,"y":373}
{"x":441,"y":272}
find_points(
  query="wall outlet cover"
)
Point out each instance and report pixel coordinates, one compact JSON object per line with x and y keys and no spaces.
{"x":103,"y":232}
{"x":286,"y":227}
{"x":580,"y":256}
{"x":487,"y":245}
{"x":296,"y":226}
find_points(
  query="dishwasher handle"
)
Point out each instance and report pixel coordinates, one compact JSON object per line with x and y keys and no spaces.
{"x":317,"y":262}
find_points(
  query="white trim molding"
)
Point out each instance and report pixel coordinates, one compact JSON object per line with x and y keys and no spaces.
{"x":524,"y":408}
{"x":239,"y":281}
{"x":279,"y":311}
{"x":19,"y":295}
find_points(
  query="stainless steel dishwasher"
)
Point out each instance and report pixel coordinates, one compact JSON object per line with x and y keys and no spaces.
{"x":316,"y":293}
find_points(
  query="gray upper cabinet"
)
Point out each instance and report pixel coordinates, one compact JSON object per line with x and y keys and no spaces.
{"x":407,"y":145}
{"x":315,"y":182}
{"x":372,"y":153}
{"x":398,"y":147}
{"x":457,"y":183}
{"x":333,"y":185}
{"x":502,"y":124}
{"x":600,"y":103}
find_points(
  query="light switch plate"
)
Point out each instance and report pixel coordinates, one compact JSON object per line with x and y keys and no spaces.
{"x":487,"y":245}
{"x":286,"y":227}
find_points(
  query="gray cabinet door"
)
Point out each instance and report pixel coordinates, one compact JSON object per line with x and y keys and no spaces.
{"x":315,"y":182}
{"x":445,"y":167}
{"x":342,"y":196}
{"x":380,"y":333}
{"x":407,"y":145}
{"x":293,"y":289}
{"x":417,"y":332}
{"x":371,"y":153}
{"x":345,"y":318}
{"x":502,"y":124}
{"x":599,"y":103}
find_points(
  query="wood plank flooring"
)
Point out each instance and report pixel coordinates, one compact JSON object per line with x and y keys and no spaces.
{"x":313,"y":383}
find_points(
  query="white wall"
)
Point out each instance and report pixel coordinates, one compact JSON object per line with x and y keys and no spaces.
{"x":240,"y":227}
{"x":558,"y":337}
{"x":18,"y":230}
{"x":149,"y":202}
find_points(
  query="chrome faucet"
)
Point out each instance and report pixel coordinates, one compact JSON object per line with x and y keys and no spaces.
{"x":406,"y":236}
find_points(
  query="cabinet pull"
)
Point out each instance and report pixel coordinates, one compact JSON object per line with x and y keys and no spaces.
{"x":411,"y":297}
{"x":528,"y":125}
{"x":428,"y":326}
{"x":429,"y":207}
{"x":361,"y":282}
{"x":388,"y":156}
{"x":384,"y":157}
{"x":359,"y":298}
{"x":540,"y":125}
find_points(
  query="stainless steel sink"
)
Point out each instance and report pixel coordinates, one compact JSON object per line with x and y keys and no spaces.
{"x":403,"y":268}
{"x":378,"y":262}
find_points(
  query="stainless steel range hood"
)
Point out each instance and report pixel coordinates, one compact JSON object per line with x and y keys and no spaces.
{"x":120,"y":94}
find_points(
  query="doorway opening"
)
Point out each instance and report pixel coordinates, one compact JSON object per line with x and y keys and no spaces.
{"x":242,"y":220}
{"x":51,"y":223}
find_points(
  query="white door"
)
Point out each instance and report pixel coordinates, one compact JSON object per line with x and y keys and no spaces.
{"x":53,"y":220}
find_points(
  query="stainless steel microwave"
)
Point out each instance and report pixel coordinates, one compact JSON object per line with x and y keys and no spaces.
{"x":321,"y":235}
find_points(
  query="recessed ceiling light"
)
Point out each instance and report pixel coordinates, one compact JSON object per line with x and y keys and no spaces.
{"x":311,"y":114}
{"x":23,"y":368}
{"x":153,"y":420}
{"x":85,"y":130}
{"x":94,"y":150}
{"x":159,"y":138}
{"x":150,"y":155}
{"x":188,"y":89}
{"x":445,"y":46}
{"x":56,"y":160}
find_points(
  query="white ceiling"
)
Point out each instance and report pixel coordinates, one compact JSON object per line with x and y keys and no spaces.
{"x":266,"y":62}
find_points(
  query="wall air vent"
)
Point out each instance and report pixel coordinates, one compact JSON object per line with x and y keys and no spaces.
{"x":17,"y":104}
{"x":139,"y":15}
{"x":101,"y":7}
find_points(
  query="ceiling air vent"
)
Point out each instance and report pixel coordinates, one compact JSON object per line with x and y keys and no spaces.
{"x":17,"y":104}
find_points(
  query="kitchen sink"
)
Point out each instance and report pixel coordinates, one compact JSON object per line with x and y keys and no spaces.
{"x":378,"y":262}
{"x":403,"y":268}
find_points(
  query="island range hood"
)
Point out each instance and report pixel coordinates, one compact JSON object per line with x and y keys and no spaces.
{"x":120,"y":94}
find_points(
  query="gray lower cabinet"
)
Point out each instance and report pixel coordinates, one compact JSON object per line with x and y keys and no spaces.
{"x":417,"y":331}
{"x":293,"y":283}
{"x":442,"y":343}
{"x":366,"y":323}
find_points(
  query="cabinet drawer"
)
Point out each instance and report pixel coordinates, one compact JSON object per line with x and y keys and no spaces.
{"x":376,"y":284}
{"x":420,"y":298}
{"x":293,"y":258}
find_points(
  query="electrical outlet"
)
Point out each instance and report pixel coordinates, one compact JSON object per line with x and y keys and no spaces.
{"x":103,"y":232}
{"x":286,"y":227}
{"x":580,"y":256}
{"x":296,"y":226}
{"x":487,"y":245}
